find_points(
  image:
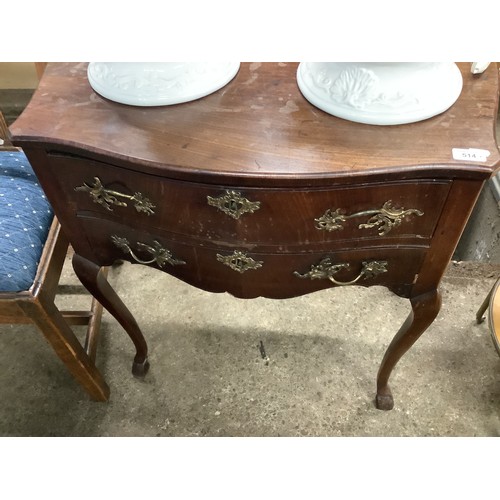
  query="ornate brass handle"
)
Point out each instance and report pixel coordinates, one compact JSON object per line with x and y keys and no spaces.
{"x":233,"y":204}
{"x":160,"y":255}
{"x":239,"y":261}
{"x":106,"y":197}
{"x":385,"y":218}
{"x":326,"y":269}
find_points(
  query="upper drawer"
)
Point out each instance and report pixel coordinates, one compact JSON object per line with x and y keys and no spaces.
{"x":393,"y":212}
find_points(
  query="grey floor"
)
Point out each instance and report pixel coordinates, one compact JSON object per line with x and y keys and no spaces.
{"x":208,"y":376}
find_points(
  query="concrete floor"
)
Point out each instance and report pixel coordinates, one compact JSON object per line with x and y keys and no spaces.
{"x":208,"y":377}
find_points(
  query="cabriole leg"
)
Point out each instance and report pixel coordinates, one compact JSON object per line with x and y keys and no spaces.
{"x":425,"y":308}
{"x":93,"y":279}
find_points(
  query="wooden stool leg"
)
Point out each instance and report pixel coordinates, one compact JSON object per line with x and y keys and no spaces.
{"x":484,"y":306}
{"x":425,"y":308}
{"x":50,"y":321}
{"x":492,"y":301}
{"x":94,"y":281}
{"x":494,"y":315}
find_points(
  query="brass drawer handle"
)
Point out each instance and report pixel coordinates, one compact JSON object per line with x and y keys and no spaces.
{"x":385,"y":218}
{"x":233,"y":204}
{"x":326,"y":269}
{"x":106,"y":197}
{"x":239,"y":261}
{"x":160,"y":255}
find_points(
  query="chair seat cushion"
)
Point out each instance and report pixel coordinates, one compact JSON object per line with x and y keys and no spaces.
{"x":25,"y":219}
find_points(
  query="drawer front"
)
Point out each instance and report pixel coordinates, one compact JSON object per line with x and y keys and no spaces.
{"x":250,"y":274}
{"x":390,"y":213}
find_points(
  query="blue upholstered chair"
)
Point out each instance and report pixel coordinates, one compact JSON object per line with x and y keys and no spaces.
{"x":32,"y":253}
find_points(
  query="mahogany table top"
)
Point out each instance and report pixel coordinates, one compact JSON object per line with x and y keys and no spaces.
{"x":257,"y":125}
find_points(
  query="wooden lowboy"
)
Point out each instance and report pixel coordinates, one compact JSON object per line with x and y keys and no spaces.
{"x":255,"y":192}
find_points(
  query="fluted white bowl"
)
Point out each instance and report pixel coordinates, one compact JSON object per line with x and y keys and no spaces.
{"x":158,"y":83}
{"x":379,"y":93}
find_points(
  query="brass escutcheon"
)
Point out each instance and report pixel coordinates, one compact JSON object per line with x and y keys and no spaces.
{"x":326,"y":269}
{"x":106,"y":197}
{"x":384,"y":218}
{"x":233,"y":204}
{"x":239,"y":261}
{"x":161,"y":256}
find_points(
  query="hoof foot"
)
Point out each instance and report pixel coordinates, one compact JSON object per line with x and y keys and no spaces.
{"x":384,"y":402}
{"x":139,"y":370}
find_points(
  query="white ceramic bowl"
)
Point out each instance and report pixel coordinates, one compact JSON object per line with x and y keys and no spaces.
{"x":158,"y":83}
{"x":380,"y":93}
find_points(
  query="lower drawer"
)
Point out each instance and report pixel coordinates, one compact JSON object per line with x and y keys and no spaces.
{"x":251,"y":274}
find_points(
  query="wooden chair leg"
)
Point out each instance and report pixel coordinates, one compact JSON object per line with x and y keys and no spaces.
{"x":64,"y":342}
{"x":93,"y":330}
{"x":94,"y":326}
{"x":92,"y":319}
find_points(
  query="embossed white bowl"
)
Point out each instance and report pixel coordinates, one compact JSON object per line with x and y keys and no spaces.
{"x":158,"y":83}
{"x":380,"y":93}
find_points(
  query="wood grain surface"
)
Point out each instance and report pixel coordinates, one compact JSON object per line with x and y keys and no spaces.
{"x":257,"y":125}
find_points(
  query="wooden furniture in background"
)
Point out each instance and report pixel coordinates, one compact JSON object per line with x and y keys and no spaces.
{"x":40,"y":68}
{"x":492,"y":302}
{"x":255,"y":192}
{"x":37,"y":306}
